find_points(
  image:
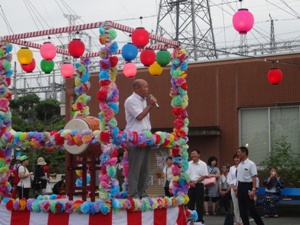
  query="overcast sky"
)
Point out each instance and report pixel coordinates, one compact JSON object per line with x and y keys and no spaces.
{"x":21,"y":16}
{"x":31,"y":15}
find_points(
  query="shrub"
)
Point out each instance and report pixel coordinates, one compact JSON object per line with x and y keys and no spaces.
{"x":285,"y":160}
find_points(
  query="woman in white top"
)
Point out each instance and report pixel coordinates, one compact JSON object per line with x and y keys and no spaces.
{"x":232,"y":181}
{"x":168,"y":175}
{"x":24,"y":184}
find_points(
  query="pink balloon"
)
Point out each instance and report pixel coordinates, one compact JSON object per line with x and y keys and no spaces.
{"x":243,"y":21}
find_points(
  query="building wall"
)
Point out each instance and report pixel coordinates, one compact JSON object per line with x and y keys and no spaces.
{"x":217,"y":89}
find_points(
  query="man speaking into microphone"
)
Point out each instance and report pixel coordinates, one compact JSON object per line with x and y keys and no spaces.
{"x":137,"y":108}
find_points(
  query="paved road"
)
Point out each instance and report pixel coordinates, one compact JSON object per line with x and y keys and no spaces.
{"x":219,"y":220}
{"x":288,"y":215}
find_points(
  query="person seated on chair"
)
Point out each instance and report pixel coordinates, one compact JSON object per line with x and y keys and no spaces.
{"x":273,"y":183}
{"x":59,"y":187}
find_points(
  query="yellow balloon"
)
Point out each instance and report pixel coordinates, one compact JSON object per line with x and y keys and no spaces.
{"x":155,"y":69}
{"x":24,"y":56}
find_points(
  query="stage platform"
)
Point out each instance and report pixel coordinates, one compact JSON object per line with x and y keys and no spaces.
{"x":166,"y":216}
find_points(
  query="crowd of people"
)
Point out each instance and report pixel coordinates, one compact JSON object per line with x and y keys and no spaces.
{"x":22,"y":180}
{"x":237,"y":184}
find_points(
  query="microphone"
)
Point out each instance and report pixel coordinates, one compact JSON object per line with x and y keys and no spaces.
{"x":156,"y":104}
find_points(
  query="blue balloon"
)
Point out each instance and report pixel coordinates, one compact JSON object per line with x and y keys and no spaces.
{"x":129,"y":52}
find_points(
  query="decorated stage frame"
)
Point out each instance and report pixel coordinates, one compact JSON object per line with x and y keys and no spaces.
{"x":112,"y":204}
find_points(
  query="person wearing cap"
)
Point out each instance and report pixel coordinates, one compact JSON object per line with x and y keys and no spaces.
{"x":224,"y":188}
{"x":40,"y":180}
{"x":24,"y":175}
{"x":137,"y":108}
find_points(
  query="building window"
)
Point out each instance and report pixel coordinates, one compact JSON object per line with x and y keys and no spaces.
{"x":260,"y":127}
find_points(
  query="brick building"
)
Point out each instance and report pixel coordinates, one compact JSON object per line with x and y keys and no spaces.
{"x":231,"y":103}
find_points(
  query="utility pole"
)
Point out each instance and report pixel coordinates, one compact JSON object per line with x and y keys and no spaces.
{"x":15,"y":81}
{"x":189,"y":22}
{"x":71,"y":19}
{"x":272,"y":36}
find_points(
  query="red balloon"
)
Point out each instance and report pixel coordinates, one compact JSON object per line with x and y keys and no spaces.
{"x":76,"y":48}
{"x":275,"y":76}
{"x":147,"y":57}
{"x":140,"y":37}
{"x":28,"y":68}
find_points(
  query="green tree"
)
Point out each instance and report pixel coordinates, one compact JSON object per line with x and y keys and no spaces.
{"x":285,"y":160}
{"x":29,"y":113}
{"x":24,"y":113}
{"x":48,"y":112}
{"x":56,"y":158}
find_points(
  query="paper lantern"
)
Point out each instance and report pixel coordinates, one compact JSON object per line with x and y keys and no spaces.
{"x":243,"y":21}
{"x":24,"y":56}
{"x":140,"y":37}
{"x":163,"y":57}
{"x":129,"y":70}
{"x":29,"y":67}
{"x":67,"y":70}
{"x":274,"y":76}
{"x":129,"y":52}
{"x":147,"y":57}
{"x":47,"y":66}
{"x":76,"y":48}
{"x":48,"y":51}
{"x":155,"y":69}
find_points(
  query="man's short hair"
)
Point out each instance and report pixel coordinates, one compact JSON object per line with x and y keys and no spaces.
{"x":196,"y":150}
{"x":244,"y":149}
{"x":169,"y":157}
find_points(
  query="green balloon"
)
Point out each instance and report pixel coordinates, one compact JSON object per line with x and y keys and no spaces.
{"x":163,"y":57}
{"x":47,"y":66}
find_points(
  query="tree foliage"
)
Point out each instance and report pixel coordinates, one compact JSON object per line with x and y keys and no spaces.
{"x":285,"y":160}
{"x":55,"y":158}
{"x":29,"y":113}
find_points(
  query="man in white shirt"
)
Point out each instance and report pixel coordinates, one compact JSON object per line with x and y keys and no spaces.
{"x":198,"y":172}
{"x":137,"y":110}
{"x":246,"y":176}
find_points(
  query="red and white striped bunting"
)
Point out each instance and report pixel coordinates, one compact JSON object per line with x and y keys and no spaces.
{"x":170,"y":216}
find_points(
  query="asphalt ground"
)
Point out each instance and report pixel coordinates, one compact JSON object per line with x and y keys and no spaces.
{"x":288,"y":215}
{"x":284,"y":220}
